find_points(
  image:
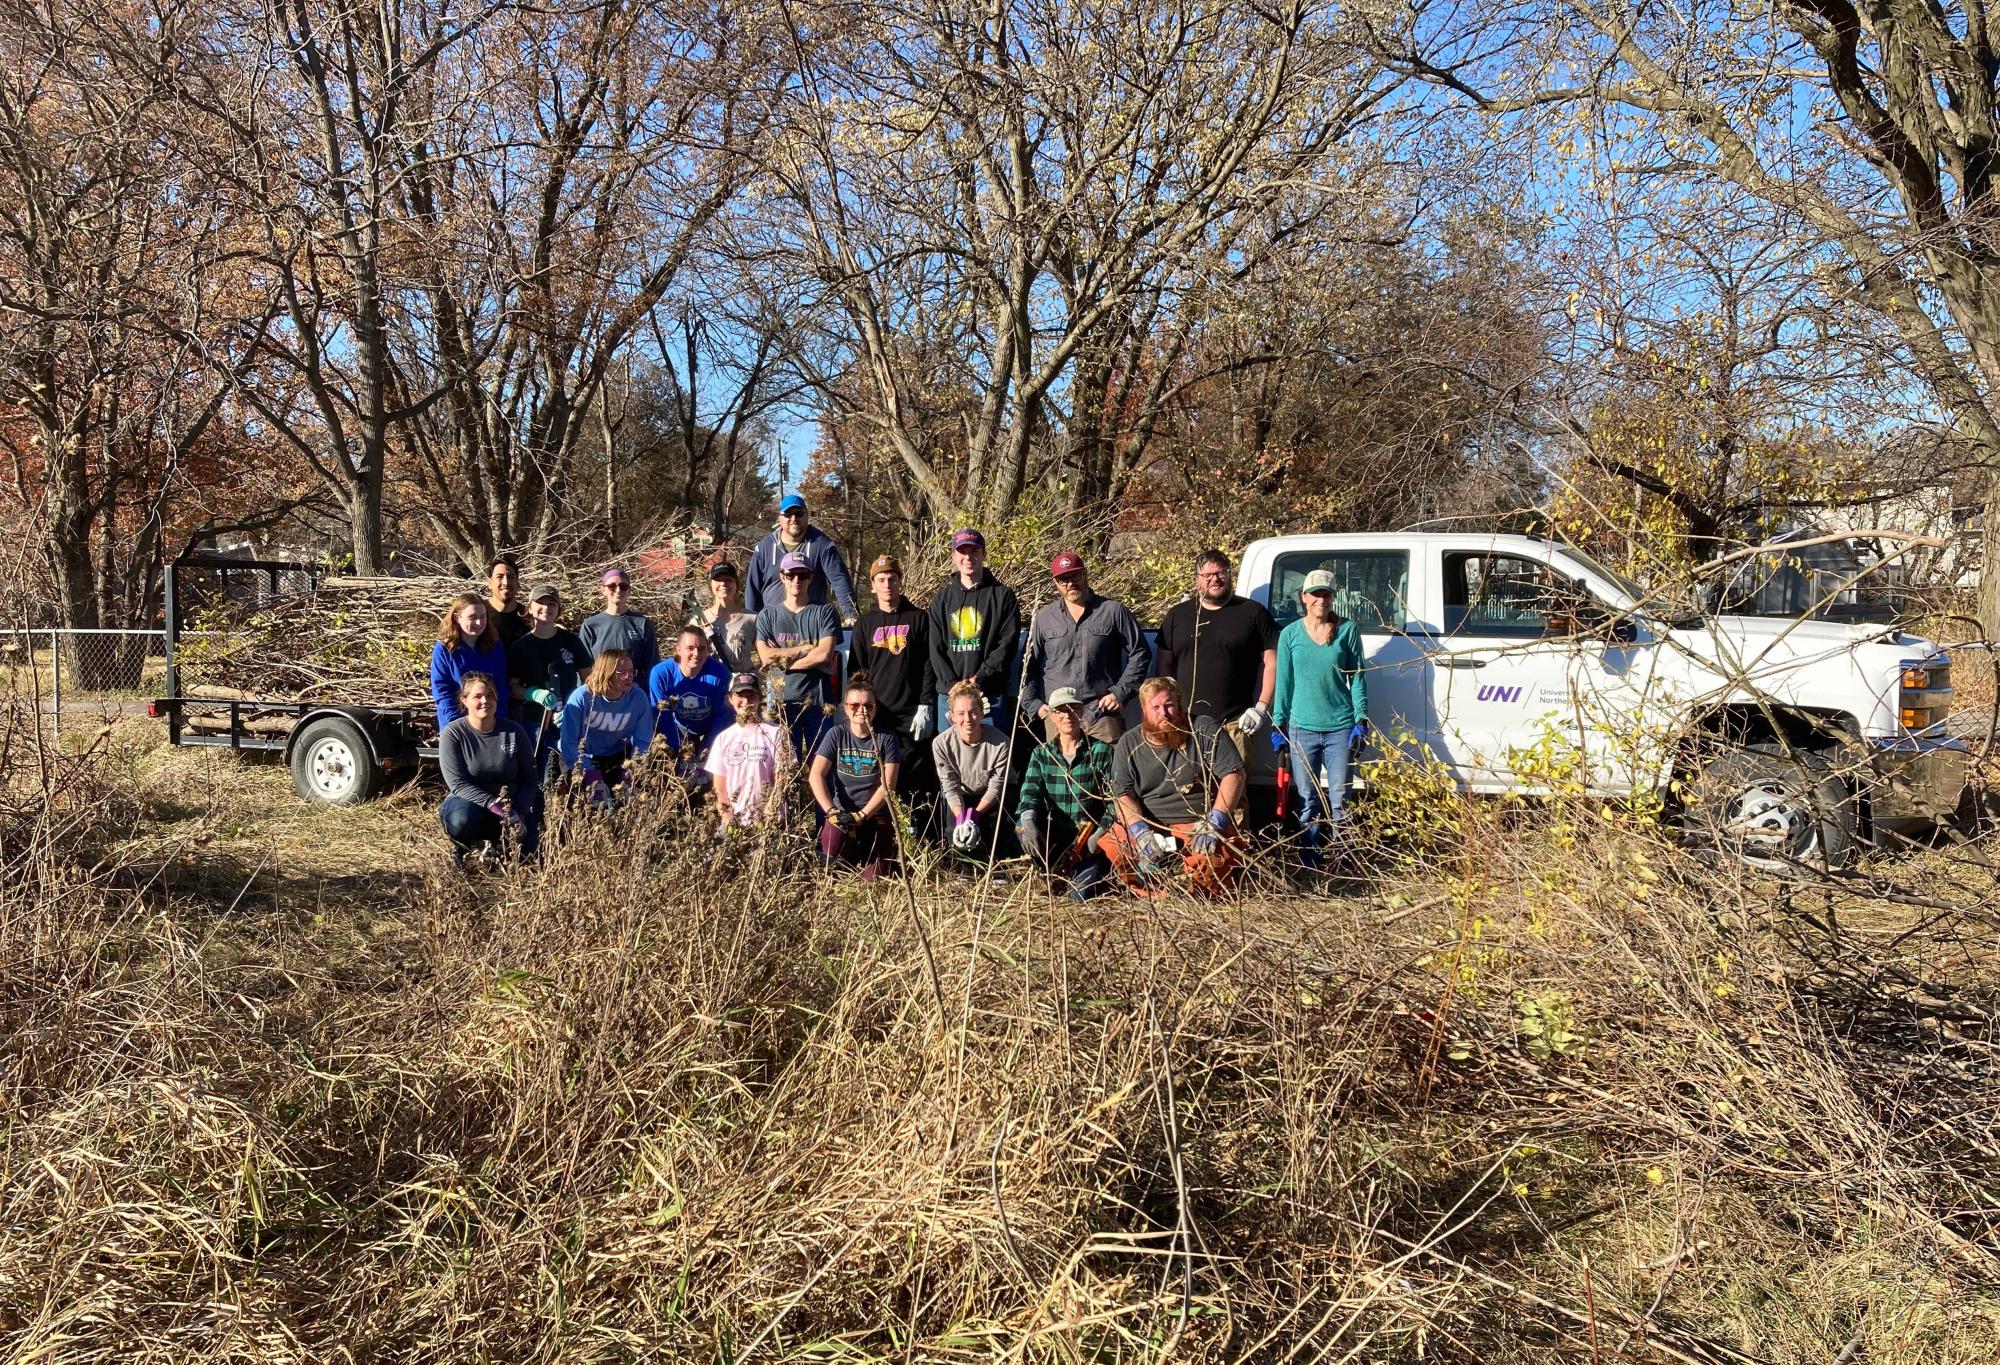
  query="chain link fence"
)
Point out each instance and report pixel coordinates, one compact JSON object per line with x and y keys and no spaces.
{"x":83,"y":677}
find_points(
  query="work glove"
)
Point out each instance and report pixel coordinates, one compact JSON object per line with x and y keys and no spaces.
{"x":842,"y":820}
{"x":544,"y":697}
{"x":1359,"y":734}
{"x":921,"y":723}
{"x":1206,"y":841}
{"x":1146,"y":844}
{"x":1252,"y":720}
{"x":1279,"y":744}
{"x":965,"y":834}
{"x":595,"y":789}
{"x":1029,"y":827}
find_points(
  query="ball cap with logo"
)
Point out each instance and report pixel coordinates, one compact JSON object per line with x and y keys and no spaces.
{"x":968,"y":539}
{"x":1319,"y":580}
{"x":794,"y":561}
{"x":885,"y":564}
{"x":722,"y":568}
{"x":1068,"y":562}
{"x":739,"y":683}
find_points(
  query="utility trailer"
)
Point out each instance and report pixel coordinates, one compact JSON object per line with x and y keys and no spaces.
{"x":339,"y":755}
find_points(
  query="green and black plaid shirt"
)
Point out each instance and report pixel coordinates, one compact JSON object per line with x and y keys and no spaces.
{"x":1065,"y":792}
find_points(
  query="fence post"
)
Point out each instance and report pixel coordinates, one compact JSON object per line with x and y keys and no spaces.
{"x":55,"y":671}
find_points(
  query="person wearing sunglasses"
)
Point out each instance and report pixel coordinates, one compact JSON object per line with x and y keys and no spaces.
{"x":621,"y":626}
{"x":1319,"y":713}
{"x":799,"y":637}
{"x":853,"y":776}
{"x":796,"y":535}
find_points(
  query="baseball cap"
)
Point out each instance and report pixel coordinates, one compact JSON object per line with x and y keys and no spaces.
{"x":968,"y":539}
{"x":795,"y":560}
{"x":1319,"y":580}
{"x":545,"y":592}
{"x":1065,"y":696}
{"x":745,"y":682}
{"x":722,"y":568}
{"x":790,"y":502}
{"x":615,"y":575}
{"x":1069,"y":561}
{"x":885,"y":564}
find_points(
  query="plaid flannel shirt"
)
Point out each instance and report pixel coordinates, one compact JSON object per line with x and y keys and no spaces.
{"x":1064,"y":793}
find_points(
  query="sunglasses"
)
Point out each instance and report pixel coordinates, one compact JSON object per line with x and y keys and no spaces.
{"x":618,"y":587}
{"x":795,"y":512}
{"x":798,"y":573}
{"x":858,"y":705}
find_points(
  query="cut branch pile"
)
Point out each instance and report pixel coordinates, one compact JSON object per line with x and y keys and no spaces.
{"x":367,"y":641}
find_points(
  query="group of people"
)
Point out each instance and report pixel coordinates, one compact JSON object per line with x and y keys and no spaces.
{"x":934,"y":715}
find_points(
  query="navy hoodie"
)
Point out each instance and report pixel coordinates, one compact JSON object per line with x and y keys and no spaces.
{"x":761,"y":586}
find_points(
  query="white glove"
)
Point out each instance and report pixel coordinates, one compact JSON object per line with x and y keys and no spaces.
{"x":921,"y":724}
{"x":965,"y":836}
{"x":1251,"y":721}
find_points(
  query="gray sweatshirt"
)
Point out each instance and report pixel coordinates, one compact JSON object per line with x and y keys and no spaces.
{"x":971,"y":773}
{"x":478,"y":766}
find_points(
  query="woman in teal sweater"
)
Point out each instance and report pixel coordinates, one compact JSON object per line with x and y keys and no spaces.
{"x":1321,"y":706}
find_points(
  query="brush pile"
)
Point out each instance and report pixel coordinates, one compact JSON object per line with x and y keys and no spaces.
{"x":367,"y":641}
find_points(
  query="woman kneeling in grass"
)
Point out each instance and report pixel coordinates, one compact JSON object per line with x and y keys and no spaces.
{"x":853,"y":775}
{"x":489,"y":774}
{"x":606,"y":722}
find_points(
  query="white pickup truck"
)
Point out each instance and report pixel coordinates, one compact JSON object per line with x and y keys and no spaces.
{"x":1780,"y":740}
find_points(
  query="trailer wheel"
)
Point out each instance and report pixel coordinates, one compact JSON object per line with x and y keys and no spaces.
{"x":333,"y":765}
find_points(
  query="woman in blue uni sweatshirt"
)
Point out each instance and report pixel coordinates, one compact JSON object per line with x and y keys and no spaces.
{"x":607,"y":720}
{"x":467,"y":643}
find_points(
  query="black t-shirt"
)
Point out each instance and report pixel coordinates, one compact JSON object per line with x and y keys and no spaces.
{"x":512,"y":625}
{"x":895,"y":648}
{"x":1217,"y":655}
{"x":556,"y":663}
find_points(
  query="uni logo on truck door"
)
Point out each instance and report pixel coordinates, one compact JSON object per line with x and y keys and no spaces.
{"x":1499,"y":692}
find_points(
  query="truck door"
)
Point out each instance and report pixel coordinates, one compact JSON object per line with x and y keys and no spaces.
{"x":1374,"y":591}
{"x":1501,"y":678}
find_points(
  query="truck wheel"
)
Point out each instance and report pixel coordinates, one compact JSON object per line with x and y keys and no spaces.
{"x":1772,"y":811}
{"x":333,"y":765}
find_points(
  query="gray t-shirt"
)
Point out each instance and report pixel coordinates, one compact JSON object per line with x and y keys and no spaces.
{"x":735,"y":641}
{"x":779,"y":625}
{"x":1174,"y":786}
{"x":970,"y":773}
{"x":478,"y":767}
{"x":857,"y":763}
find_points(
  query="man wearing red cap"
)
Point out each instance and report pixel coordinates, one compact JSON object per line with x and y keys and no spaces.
{"x":1085,"y":641}
{"x":975,"y":626}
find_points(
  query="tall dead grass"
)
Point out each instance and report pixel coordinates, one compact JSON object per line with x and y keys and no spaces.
{"x":1540,"y":1088}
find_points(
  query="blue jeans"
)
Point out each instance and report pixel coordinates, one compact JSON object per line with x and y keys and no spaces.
{"x":468,"y":824}
{"x":1320,"y":776}
{"x":806,"y":721}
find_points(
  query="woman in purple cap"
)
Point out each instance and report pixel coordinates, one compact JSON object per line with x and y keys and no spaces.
{"x":618,"y":626}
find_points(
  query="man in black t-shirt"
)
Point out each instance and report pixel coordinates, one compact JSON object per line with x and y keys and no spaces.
{"x":891,"y":642}
{"x":1222,"y":649}
{"x":503,"y":608}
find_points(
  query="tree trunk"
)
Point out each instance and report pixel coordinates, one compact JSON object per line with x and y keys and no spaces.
{"x":1989,"y":562}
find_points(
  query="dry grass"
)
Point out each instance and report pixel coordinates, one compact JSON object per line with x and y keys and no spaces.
{"x":275,"y":1088}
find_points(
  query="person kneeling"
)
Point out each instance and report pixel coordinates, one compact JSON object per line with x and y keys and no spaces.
{"x":853,"y":775}
{"x":971,"y":761}
{"x":1175,"y":785}
{"x":607,"y":721}
{"x":1064,"y":810}
{"x":743,"y":760}
{"x":491,"y":789}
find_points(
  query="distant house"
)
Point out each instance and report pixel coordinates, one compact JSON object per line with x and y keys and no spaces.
{"x":1869,"y":576}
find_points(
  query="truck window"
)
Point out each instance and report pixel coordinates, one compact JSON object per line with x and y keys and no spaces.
{"x":1373,"y":586}
{"x":1507,"y":596}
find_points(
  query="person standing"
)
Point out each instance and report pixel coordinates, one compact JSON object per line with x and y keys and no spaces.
{"x":1175,"y":783}
{"x":489,"y":771}
{"x":853,"y":776}
{"x":732,"y":630}
{"x":800,"y":637}
{"x":1064,"y":808}
{"x":621,"y":626}
{"x":1222,"y":649}
{"x":1085,"y":641}
{"x":891,"y":643}
{"x":467,"y":643}
{"x":971,"y":760}
{"x":543,"y":668}
{"x":503,"y":605}
{"x":975,"y":624}
{"x":606,"y":723}
{"x":744,"y":760}
{"x":691,"y":693}
{"x":1320,"y":709}
{"x":796,"y":535}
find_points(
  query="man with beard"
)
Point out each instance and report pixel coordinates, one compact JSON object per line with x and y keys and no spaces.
{"x":1223,"y":651}
{"x":503,"y":607}
{"x":1175,"y":783}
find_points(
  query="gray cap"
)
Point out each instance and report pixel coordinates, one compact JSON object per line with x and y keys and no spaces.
{"x":1064,"y":696}
{"x":545,"y":592}
{"x":1319,"y":580}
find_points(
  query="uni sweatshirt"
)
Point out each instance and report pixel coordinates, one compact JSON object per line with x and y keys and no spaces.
{"x":1320,"y":687}
{"x":593,"y":726}
{"x":450,"y":664}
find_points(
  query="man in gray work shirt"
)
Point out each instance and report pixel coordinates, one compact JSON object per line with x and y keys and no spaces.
{"x":1088,"y":642}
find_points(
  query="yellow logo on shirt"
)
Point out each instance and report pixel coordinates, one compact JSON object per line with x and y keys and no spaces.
{"x":966,"y":625}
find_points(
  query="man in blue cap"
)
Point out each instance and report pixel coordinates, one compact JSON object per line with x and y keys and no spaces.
{"x":795,"y":535}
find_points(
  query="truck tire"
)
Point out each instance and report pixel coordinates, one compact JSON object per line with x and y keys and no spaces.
{"x":333,"y":765}
{"x":1772,"y":811}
